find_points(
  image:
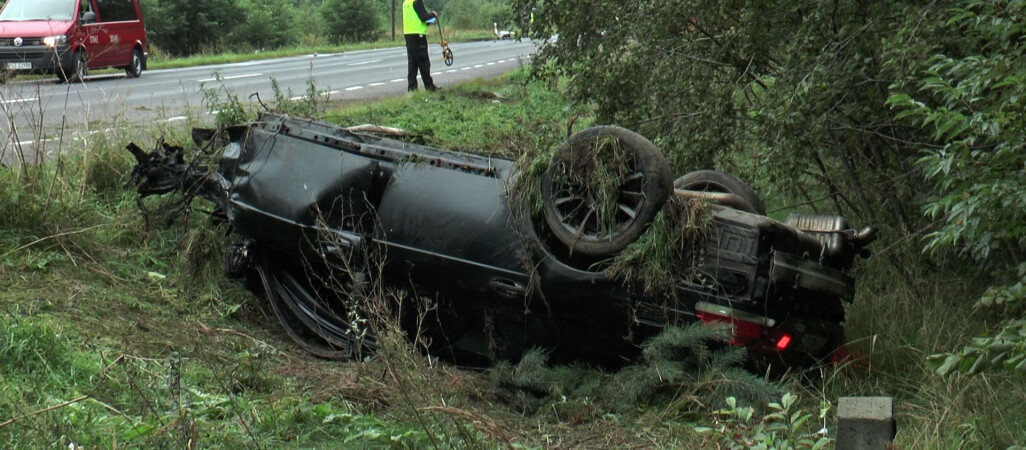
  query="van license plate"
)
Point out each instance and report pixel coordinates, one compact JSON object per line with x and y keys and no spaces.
{"x":19,"y":66}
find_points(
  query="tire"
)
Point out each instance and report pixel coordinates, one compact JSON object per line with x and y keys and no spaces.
{"x":78,"y":70}
{"x":600,"y":215}
{"x":714,"y":181}
{"x":312,"y":324}
{"x":135,"y":66}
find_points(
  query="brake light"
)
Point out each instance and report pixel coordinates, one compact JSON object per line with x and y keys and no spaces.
{"x":783,"y":342}
{"x":749,"y":330}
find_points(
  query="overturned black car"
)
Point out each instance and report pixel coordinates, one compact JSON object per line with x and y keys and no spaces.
{"x":312,"y":203}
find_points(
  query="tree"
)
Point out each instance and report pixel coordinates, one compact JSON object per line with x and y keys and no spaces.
{"x":968,"y":97}
{"x":774,"y":89}
{"x":266,"y":24}
{"x":470,"y":14}
{"x":183,"y":27}
{"x":351,"y":20}
{"x":875,"y":110}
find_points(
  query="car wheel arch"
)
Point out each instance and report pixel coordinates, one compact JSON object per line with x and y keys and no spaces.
{"x":79,"y":69}
{"x":136,"y":63}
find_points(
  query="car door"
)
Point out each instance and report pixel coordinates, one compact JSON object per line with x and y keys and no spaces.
{"x":122,"y":26}
{"x":444,"y":221}
{"x":93,"y":34}
{"x":117,"y":17}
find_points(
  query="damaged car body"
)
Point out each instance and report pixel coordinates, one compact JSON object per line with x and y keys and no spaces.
{"x":321,"y":213}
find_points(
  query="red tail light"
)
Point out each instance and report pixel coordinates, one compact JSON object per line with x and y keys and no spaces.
{"x":746,"y":329}
{"x":783,"y":342}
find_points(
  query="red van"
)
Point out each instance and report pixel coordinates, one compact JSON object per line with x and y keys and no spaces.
{"x":69,"y":37}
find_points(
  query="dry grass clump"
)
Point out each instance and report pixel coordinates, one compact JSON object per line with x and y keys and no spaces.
{"x":669,"y":251}
{"x":596,"y":170}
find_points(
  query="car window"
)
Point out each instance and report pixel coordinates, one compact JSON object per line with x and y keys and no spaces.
{"x":84,"y":7}
{"x":115,"y":10}
{"x":38,"y":10}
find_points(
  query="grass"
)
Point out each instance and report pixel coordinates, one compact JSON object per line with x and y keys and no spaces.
{"x":113,"y":335}
{"x":895,"y":324}
{"x":668,"y":252}
{"x":505,"y":118}
{"x":134,"y":338}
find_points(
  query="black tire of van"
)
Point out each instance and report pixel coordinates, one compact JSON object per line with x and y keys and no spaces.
{"x":78,"y":71}
{"x":135,"y":66}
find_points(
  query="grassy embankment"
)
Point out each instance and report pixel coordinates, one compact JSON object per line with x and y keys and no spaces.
{"x":114,"y":335}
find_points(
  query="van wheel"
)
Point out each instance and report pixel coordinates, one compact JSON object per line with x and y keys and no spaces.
{"x":135,"y":67}
{"x":78,"y":70}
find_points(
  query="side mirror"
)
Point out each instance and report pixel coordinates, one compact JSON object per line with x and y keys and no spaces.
{"x":88,"y":17}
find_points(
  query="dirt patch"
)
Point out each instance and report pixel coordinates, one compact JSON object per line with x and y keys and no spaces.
{"x":475,"y":94}
{"x":363,"y":384}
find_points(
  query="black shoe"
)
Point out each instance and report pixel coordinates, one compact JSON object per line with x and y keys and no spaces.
{"x":433,"y":88}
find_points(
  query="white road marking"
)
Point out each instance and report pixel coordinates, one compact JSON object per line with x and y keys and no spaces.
{"x":236,"y":77}
{"x":177,"y":119}
{"x":435,"y":73}
{"x":398,"y":80}
{"x":479,"y":66}
{"x":21,"y":100}
{"x":354,"y":88}
{"x":465,"y":68}
{"x":490,"y":64}
{"x":75,"y":135}
{"x":365,"y":62}
{"x":24,"y":143}
{"x":376,"y":84}
{"x":451,"y":71}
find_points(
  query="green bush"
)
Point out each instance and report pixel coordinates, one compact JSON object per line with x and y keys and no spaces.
{"x":351,"y":20}
{"x":786,"y":428}
{"x":468,"y":14}
{"x":267,"y":24}
{"x":183,"y":27}
{"x":967,"y":99}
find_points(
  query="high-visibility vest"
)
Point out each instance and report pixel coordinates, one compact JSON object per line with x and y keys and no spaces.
{"x":411,"y":21}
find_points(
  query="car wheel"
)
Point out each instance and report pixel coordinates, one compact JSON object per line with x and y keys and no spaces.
{"x":604,"y":186}
{"x":310,"y":322}
{"x":78,"y":70}
{"x":135,"y":67}
{"x":714,"y":181}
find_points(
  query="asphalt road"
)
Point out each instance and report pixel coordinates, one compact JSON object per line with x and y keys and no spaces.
{"x":45,"y":107}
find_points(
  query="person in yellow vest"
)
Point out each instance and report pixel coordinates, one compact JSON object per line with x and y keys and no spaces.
{"x":415,"y":28}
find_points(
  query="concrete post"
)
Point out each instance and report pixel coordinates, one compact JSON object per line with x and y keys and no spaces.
{"x":865,"y":423}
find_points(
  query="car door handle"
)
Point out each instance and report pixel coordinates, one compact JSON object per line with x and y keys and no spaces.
{"x":508,"y":288}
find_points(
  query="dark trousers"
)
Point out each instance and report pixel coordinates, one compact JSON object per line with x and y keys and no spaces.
{"x":417,"y":59}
